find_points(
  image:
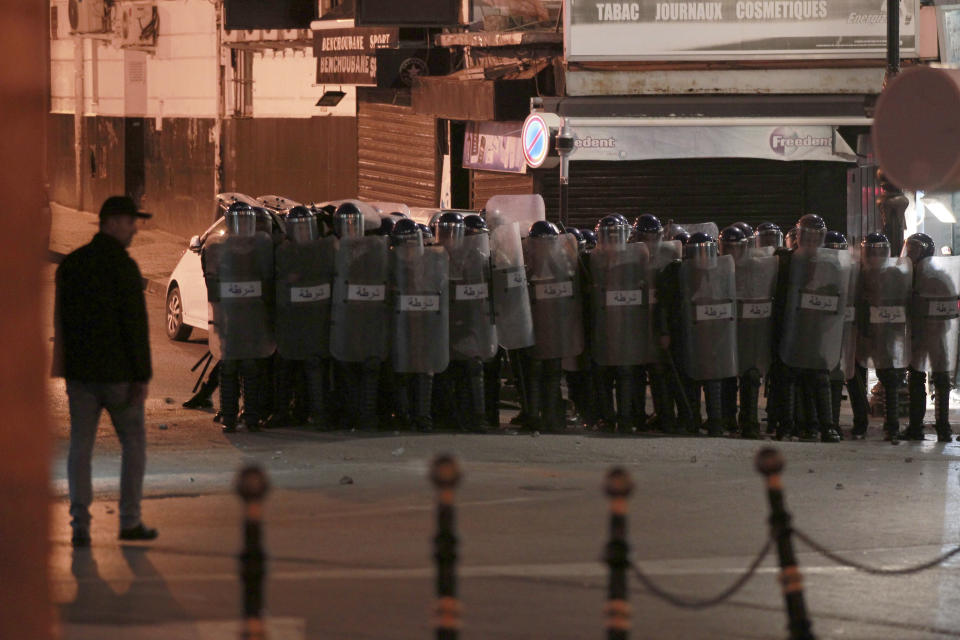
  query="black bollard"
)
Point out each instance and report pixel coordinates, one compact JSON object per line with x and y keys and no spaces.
{"x":769,"y":462}
{"x":252,"y":486}
{"x":445,"y":475}
{"x":618,"y":486}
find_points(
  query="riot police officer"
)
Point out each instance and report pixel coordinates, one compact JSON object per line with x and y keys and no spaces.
{"x":420,"y":320}
{"x":756,"y":277}
{"x":581,"y":372}
{"x":555,"y":299}
{"x":473,"y":339}
{"x":848,"y":371}
{"x":359,"y":316}
{"x":619,"y":307}
{"x":811,"y":301}
{"x":883,"y":336}
{"x":648,"y":229}
{"x":709,"y":324}
{"x":238,"y":270}
{"x":934,"y":328}
{"x":304,"y":284}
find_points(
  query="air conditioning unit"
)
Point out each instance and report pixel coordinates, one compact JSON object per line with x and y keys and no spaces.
{"x":138,"y":24}
{"x":88,"y":16}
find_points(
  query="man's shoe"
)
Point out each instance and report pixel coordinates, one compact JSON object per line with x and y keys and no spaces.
{"x":81,"y":538}
{"x":138,"y":532}
{"x":913,"y":432}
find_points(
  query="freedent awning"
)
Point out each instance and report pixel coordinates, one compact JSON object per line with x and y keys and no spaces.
{"x":662,"y":127}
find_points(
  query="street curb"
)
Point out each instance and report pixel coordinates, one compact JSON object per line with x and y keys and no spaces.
{"x":150,"y":287}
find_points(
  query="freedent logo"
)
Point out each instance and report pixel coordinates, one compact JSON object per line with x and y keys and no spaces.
{"x":786,"y":141}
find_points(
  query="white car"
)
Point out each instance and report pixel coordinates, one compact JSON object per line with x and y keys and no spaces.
{"x":186,"y":307}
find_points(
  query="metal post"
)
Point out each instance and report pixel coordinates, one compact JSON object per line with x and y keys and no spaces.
{"x":769,"y":462}
{"x":565,"y":144}
{"x":252,"y":486}
{"x":893,"y":41}
{"x":445,"y":475}
{"x":618,"y":487}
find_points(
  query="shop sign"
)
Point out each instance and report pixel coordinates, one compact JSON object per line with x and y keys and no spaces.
{"x":349,"y":56}
{"x":734,"y":29}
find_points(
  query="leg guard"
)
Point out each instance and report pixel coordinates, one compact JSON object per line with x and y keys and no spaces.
{"x":713,"y":393}
{"x":627,"y":383}
{"x":491,"y":389}
{"x":750,"y":404}
{"x":917,"y":388}
{"x":251,"y":373}
{"x":553,"y":419}
{"x":535,"y":384}
{"x":729,"y":390}
{"x":941,"y":405}
{"x":857,"y":390}
{"x":475,"y":394}
{"x":605,"y":390}
{"x":823,"y":404}
{"x":229,"y":393}
{"x":890,"y":379}
{"x":369,"y":394}
{"x":662,"y":402}
{"x":313,"y":370}
{"x":423,"y":395}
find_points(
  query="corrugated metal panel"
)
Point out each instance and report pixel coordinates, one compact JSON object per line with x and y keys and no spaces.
{"x":61,"y":172}
{"x":486,"y":184}
{"x":723,"y":190}
{"x":178,"y":180}
{"x":397,"y":155}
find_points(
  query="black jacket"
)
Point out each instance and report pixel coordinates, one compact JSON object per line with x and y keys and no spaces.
{"x":101,"y":315}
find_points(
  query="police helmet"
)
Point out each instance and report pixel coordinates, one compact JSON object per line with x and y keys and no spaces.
{"x":835,"y":240}
{"x":647,"y":228}
{"x":589,"y":239}
{"x":406,"y":231}
{"x":612,"y":230}
{"x":241,"y":219}
{"x":301,"y":225}
{"x":700,"y":245}
{"x":875,"y":245}
{"x":769,"y":235}
{"x":475,"y":224}
{"x":449,"y":228}
{"x":918,"y":246}
{"x":543,"y":229}
{"x":733,"y":242}
{"x":348,"y":221}
{"x":811,"y":231}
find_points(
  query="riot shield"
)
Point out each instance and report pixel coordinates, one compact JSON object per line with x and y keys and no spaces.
{"x":812,"y":332}
{"x":304,"y":281}
{"x":511,"y":302}
{"x":420,"y":302}
{"x":507,"y":209}
{"x":472,"y":330}
{"x":359,"y":314}
{"x":239,"y":276}
{"x":620,"y":306}
{"x":883,"y":340}
{"x":555,"y":296}
{"x":661,"y":254}
{"x":848,"y":350}
{"x":935,"y":324}
{"x":709,"y":319}
{"x":756,"y":274}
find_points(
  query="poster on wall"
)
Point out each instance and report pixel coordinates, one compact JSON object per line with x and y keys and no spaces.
{"x":494,"y":146}
{"x":948,"y":33}
{"x":349,"y":56}
{"x":734,"y":29}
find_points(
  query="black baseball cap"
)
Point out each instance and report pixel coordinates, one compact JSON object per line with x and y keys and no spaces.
{"x":121,"y":206}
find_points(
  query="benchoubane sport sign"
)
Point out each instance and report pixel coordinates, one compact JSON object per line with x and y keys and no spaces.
{"x":734,"y":29}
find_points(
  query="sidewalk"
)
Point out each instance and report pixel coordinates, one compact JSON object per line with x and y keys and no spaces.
{"x":156,"y":252}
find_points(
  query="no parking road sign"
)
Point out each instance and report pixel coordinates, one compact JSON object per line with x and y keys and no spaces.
{"x":536,"y":140}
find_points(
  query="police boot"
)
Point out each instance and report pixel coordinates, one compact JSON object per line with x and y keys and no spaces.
{"x":553,"y":419}
{"x":313,"y":370}
{"x":491,"y":390}
{"x":806,"y":408}
{"x":665,"y":418}
{"x":786,"y":409}
{"x":820,"y":383}
{"x":889,"y":378}
{"x":627,"y":382}
{"x":282,"y":395}
{"x":605,"y":391}
{"x":229,"y":395}
{"x":474,"y":395}
{"x":857,"y":391}
{"x":917,"y":387}
{"x":423,"y":394}
{"x":535,"y":395}
{"x":941,"y":406}
{"x":202,"y":398}
{"x":836,"y":396}
{"x":713,"y":394}
{"x":729,"y":390}
{"x":369,"y":388}
{"x":750,"y":404}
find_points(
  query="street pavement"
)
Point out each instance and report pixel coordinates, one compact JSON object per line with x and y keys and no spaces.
{"x":349,"y":525}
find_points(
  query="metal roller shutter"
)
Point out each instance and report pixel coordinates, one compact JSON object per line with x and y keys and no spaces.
{"x":486,"y":184}
{"x":397,"y":158}
{"x":723,"y":190}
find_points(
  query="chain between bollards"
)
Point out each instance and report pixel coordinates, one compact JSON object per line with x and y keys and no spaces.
{"x":618,"y":487}
{"x":252,"y":487}
{"x":445,"y":475}
{"x":769,"y":462}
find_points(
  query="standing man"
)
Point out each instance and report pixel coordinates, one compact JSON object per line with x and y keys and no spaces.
{"x":102,"y":349}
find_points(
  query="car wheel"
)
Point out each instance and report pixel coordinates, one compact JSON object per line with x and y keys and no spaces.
{"x":176,"y":329}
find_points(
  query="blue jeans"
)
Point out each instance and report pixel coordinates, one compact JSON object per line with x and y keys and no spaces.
{"x":87,"y":401}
